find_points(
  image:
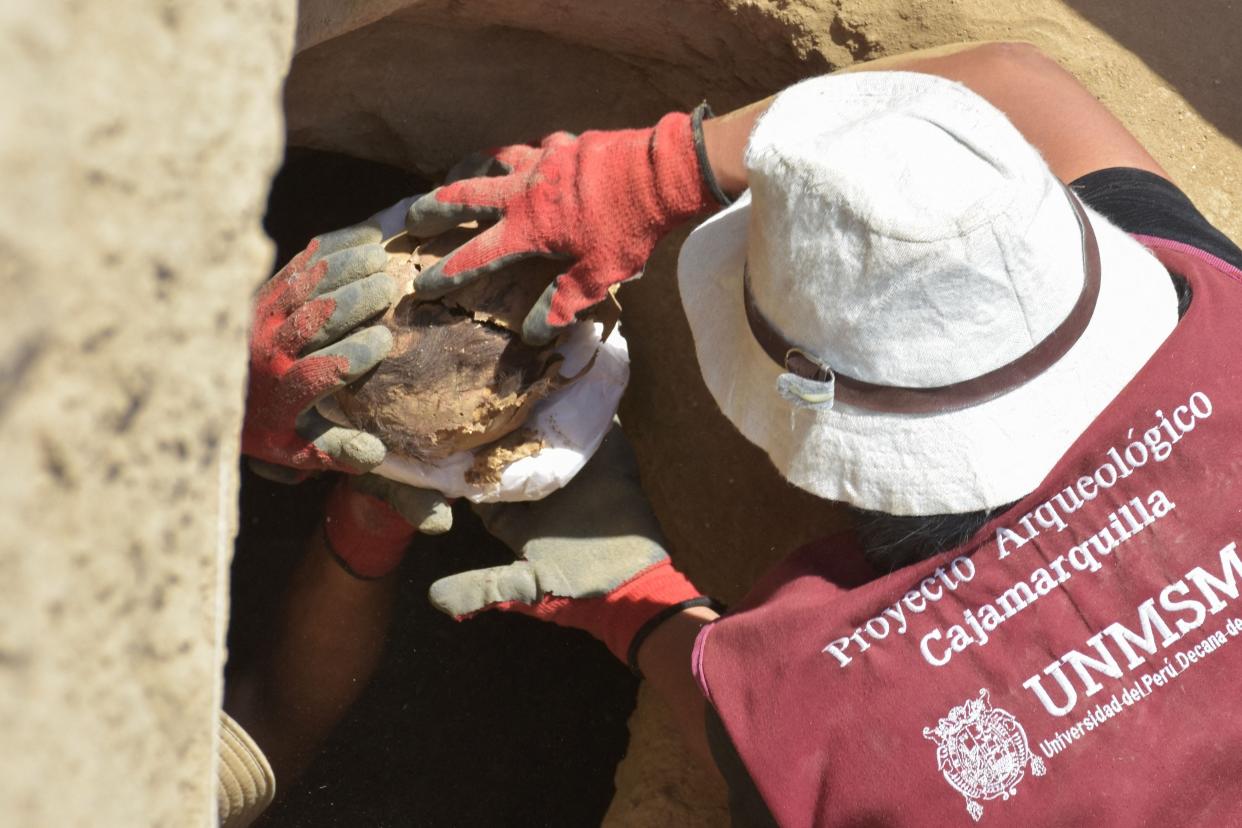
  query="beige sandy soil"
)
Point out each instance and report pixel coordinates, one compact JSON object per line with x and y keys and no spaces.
{"x":421,"y":83}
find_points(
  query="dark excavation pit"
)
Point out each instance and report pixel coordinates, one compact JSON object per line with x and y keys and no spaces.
{"x":500,"y":720}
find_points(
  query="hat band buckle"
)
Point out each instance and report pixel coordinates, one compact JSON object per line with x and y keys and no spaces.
{"x":796,"y":360}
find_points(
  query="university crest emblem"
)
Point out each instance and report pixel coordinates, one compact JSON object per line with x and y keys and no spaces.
{"x":982,"y":752}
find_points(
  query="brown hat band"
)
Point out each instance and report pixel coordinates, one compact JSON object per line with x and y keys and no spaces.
{"x":912,"y":400}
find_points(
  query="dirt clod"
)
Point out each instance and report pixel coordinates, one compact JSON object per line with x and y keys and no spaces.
{"x":491,"y":462}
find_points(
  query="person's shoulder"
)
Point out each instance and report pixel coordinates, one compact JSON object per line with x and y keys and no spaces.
{"x":1143,"y":203}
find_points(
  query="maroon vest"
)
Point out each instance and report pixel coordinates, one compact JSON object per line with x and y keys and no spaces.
{"x":1079,"y":662}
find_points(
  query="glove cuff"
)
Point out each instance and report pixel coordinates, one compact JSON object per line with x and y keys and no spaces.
{"x":366,"y":535}
{"x":618,"y":618}
{"x":683,"y":179}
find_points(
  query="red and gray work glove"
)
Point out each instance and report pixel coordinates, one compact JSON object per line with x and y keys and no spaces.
{"x":590,"y":556}
{"x":369,"y":521}
{"x":601,"y":200}
{"x":304,"y":346}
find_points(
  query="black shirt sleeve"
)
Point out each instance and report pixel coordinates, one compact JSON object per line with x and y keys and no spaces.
{"x":1141,"y":202}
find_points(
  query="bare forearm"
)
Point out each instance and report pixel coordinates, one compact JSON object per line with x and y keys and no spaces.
{"x":665,"y":662}
{"x":1074,"y":132}
{"x":725,"y":139}
{"x":327,"y":639}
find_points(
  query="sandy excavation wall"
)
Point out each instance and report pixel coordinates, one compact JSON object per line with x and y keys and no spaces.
{"x":420,"y":83}
{"x":136,"y":149}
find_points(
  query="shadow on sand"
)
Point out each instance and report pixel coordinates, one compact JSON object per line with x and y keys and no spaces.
{"x":1192,"y":45}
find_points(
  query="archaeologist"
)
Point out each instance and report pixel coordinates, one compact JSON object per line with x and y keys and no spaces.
{"x":953,"y":292}
{"x":909,"y":313}
{"x":312,"y":333}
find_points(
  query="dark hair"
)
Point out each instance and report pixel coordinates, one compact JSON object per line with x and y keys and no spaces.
{"x":892,"y":541}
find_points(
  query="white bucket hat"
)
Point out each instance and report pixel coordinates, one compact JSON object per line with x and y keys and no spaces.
{"x":902,"y":310}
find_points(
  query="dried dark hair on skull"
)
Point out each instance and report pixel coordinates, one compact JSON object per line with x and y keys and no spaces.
{"x":458,"y":376}
{"x":450,"y":383}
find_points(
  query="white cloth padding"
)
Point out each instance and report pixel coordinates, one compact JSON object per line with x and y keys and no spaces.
{"x":571,"y":422}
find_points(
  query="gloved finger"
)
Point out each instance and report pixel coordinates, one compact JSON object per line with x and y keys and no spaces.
{"x":349,"y":265}
{"x":476,"y":165}
{"x":491,"y":163}
{"x":366,"y":233}
{"x":431,"y":215}
{"x":424,"y":509}
{"x":516,"y":156}
{"x":494,"y":192}
{"x":308,"y":274}
{"x":276,"y":472}
{"x":321,"y":372}
{"x":280,"y":279}
{"x":601,"y":513}
{"x":486,"y":253}
{"x":291,"y":286}
{"x":537,"y":328}
{"x":352,"y":450}
{"x":561,"y":301}
{"x":558,"y":139}
{"x":466,"y":593}
{"x":360,"y":351}
{"x":431,"y":516}
{"x":348,"y":307}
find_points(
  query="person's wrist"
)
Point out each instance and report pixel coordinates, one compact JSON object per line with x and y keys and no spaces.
{"x":683,"y":187}
{"x":724,"y":143}
{"x":668,"y":643}
{"x":695,"y":611}
{"x":702,"y":112}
